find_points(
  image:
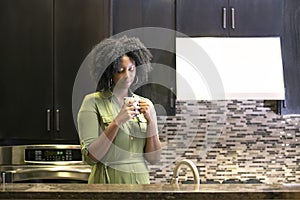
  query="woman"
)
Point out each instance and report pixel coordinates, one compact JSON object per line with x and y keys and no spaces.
{"x":118,"y":138}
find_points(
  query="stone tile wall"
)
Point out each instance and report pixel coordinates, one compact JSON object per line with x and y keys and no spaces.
{"x":229,"y":141}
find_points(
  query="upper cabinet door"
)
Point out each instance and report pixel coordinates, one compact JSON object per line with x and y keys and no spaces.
{"x":255,"y":17}
{"x":202,"y":17}
{"x":159,"y":13}
{"x":79,"y":25}
{"x":126,"y":15}
{"x":229,"y":17}
{"x":291,"y":57}
{"x":26,"y":70}
{"x":131,"y":14}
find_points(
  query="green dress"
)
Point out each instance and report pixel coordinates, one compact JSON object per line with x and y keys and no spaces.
{"x":124,"y":162}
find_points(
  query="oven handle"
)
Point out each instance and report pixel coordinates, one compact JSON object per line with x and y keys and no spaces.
{"x":46,"y":173}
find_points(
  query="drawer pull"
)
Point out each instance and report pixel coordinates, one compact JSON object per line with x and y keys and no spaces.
{"x":224,"y":15}
{"x":48,"y":120}
{"x":57,"y":119}
{"x":232,"y":18}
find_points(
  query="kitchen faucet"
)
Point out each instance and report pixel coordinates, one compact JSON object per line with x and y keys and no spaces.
{"x":191,"y":165}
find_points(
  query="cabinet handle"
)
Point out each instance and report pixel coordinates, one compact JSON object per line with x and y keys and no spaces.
{"x":224,"y":15}
{"x":171,"y":98}
{"x":48,"y":120}
{"x":283,"y":103}
{"x":232,"y":18}
{"x":57,"y":119}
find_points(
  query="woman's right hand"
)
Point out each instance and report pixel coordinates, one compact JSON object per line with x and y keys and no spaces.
{"x":126,"y":113}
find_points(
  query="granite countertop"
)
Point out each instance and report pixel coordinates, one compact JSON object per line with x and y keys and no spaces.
{"x":152,"y":191}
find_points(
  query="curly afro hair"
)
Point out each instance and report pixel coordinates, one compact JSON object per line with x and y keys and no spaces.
{"x":107,"y":58}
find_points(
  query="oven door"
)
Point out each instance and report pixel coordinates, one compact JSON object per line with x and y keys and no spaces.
{"x":47,"y":174}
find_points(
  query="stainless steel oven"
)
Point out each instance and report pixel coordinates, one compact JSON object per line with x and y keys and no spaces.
{"x":43,"y":163}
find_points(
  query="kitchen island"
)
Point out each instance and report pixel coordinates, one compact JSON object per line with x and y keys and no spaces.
{"x":152,"y":191}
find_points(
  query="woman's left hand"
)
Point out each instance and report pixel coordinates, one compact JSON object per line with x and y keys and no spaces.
{"x":145,"y":109}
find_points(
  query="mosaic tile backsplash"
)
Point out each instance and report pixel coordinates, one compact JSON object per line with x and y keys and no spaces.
{"x":229,"y":141}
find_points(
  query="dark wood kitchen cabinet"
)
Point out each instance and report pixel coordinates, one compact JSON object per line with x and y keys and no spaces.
{"x":78,"y":26}
{"x":43,"y":43}
{"x":229,"y":17}
{"x":291,"y":57}
{"x":131,"y":14}
{"x":26,"y":69}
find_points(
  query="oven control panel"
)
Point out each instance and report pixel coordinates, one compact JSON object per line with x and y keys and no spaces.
{"x":52,"y":155}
